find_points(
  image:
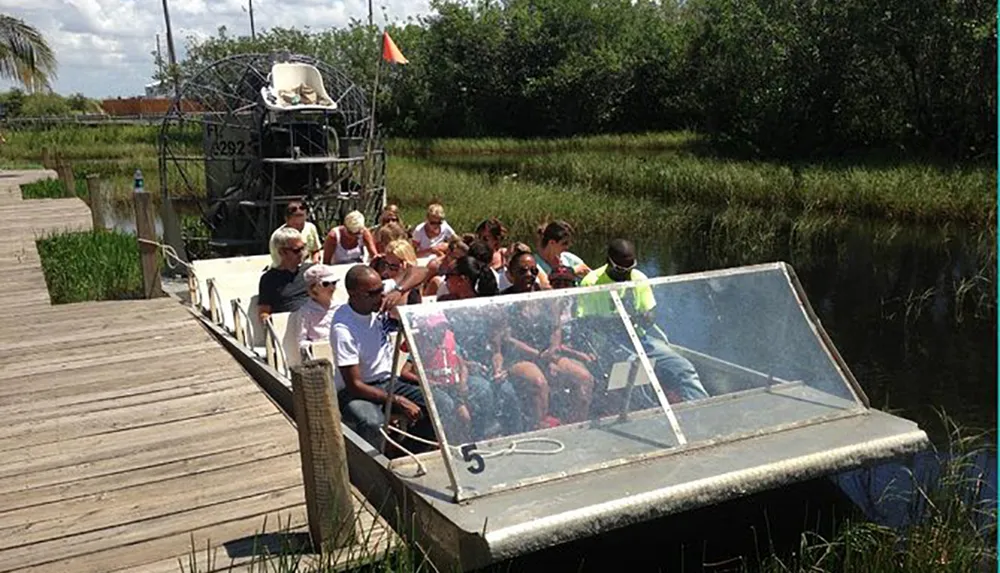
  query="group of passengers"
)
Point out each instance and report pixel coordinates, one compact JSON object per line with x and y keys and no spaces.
{"x":522,"y":370}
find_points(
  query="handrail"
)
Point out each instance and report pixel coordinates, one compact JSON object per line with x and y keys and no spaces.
{"x":273,"y":347}
{"x":214,"y":304}
{"x":241,"y":323}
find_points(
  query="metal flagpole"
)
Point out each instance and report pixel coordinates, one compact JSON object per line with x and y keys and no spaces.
{"x":369,"y":167}
{"x":170,"y":51}
{"x":253,"y":32}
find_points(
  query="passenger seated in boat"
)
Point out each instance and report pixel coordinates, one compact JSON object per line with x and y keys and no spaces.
{"x":311,"y":322}
{"x":471,"y":278}
{"x":431,"y":236}
{"x":493,"y":233}
{"x":562,"y":277}
{"x":554,"y":241}
{"x":283,"y":288}
{"x":396,"y":261}
{"x":531,"y":341}
{"x":295,"y":217}
{"x":505,"y":280}
{"x":347,"y":243}
{"x":464,"y":398}
{"x":363,"y":350}
{"x":390,"y":214}
{"x":388,"y":233}
{"x":676,"y":374}
{"x":457,"y":248}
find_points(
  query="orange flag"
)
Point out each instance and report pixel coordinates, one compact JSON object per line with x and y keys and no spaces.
{"x":390,"y":52}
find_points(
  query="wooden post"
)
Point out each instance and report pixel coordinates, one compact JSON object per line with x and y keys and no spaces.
{"x":145,"y":229}
{"x":329,"y":504}
{"x":65,"y":171}
{"x":95,"y":193}
{"x":46,"y":158}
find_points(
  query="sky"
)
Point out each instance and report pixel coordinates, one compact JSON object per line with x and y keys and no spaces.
{"x":103,"y":47}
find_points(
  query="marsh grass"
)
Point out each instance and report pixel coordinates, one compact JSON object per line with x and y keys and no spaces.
{"x":92,"y":265}
{"x":674,"y":167}
{"x":288,"y":549}
{"x":951,"y":526}
{"x":51,"y":189}
{"x":905,"y":192}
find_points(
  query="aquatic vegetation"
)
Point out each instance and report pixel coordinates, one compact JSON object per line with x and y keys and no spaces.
{"x":93,"y":265}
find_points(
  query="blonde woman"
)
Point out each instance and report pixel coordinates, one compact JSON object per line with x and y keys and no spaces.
{"x":397,"y":258}
{"x":347,"y":243}
{"x":431,"y":236}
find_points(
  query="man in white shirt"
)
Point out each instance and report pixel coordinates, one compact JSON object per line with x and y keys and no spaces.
{"x":363,"y":352}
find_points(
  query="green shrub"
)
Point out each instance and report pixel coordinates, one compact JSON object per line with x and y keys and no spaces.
{"x":94,"y":265}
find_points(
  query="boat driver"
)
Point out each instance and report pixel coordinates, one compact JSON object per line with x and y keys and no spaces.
{"x":675,"y":373}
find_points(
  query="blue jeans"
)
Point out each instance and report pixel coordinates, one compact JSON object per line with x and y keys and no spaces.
{"x":367,"y":417}
{"x":480,"y":402}
{"x":673,"y":370}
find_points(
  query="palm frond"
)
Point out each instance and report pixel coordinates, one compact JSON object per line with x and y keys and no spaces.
{"x":25,"y":55}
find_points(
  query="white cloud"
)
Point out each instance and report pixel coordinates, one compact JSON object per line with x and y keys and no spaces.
{"x":103,"y":46}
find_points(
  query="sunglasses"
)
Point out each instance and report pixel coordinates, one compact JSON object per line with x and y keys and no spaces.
{"x":296,"y":250}
{"x":434,"y":223}
{"x":393,"y":267}
{"x":328,"y":284}
{"x":391,"y":219}
{"x":294,"y":210}
{"x":374,"y":292}
{"x":526,"y":270}
{"x":620,"y":268}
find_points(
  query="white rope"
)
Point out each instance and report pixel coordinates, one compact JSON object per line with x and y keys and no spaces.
{"x":421,"y":468}
{"x":170,"y":254}
{"x":511,"y":449}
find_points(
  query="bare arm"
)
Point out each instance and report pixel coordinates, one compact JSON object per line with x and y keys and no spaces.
{"x":263,"y":311}
{"x":412,"y":277}
{"x":370,"y":244}
{"x":409,"y":373}
{"x":329,"y":246}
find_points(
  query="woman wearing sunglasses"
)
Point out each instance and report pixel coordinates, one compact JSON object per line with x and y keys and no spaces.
{"x":390,"y":214}
{"x":347,"y":243}
{"x":431,"y":236}
{"x":531,"y":341}
{"x":295,"y":218}
{"x":393,"y":264}
{"x":311,"y":322}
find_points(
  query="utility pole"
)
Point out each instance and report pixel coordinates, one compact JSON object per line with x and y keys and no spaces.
{"x":170,"y":52}
{"x":253,"y":32}
{"x":370,"y":20}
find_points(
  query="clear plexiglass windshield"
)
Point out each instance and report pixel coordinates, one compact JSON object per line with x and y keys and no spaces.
{"x":526,"y":388}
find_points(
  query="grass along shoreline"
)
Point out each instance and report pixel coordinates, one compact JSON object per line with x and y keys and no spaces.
{"x":667,"y":167}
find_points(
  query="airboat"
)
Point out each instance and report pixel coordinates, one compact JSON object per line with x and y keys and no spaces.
{"x":781,"y":407}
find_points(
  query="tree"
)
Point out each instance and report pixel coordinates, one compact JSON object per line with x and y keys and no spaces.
{"x":25,"y":55}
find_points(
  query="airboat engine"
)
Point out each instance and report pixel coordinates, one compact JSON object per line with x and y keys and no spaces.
{"x":251,"y":132}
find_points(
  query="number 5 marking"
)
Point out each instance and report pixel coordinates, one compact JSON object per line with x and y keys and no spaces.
{"x":469,"y":454}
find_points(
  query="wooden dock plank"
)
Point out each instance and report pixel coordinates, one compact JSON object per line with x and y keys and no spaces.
{"x":128,"y":431}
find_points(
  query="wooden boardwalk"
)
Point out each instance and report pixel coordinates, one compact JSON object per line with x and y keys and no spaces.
{"x":128,"y":432}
